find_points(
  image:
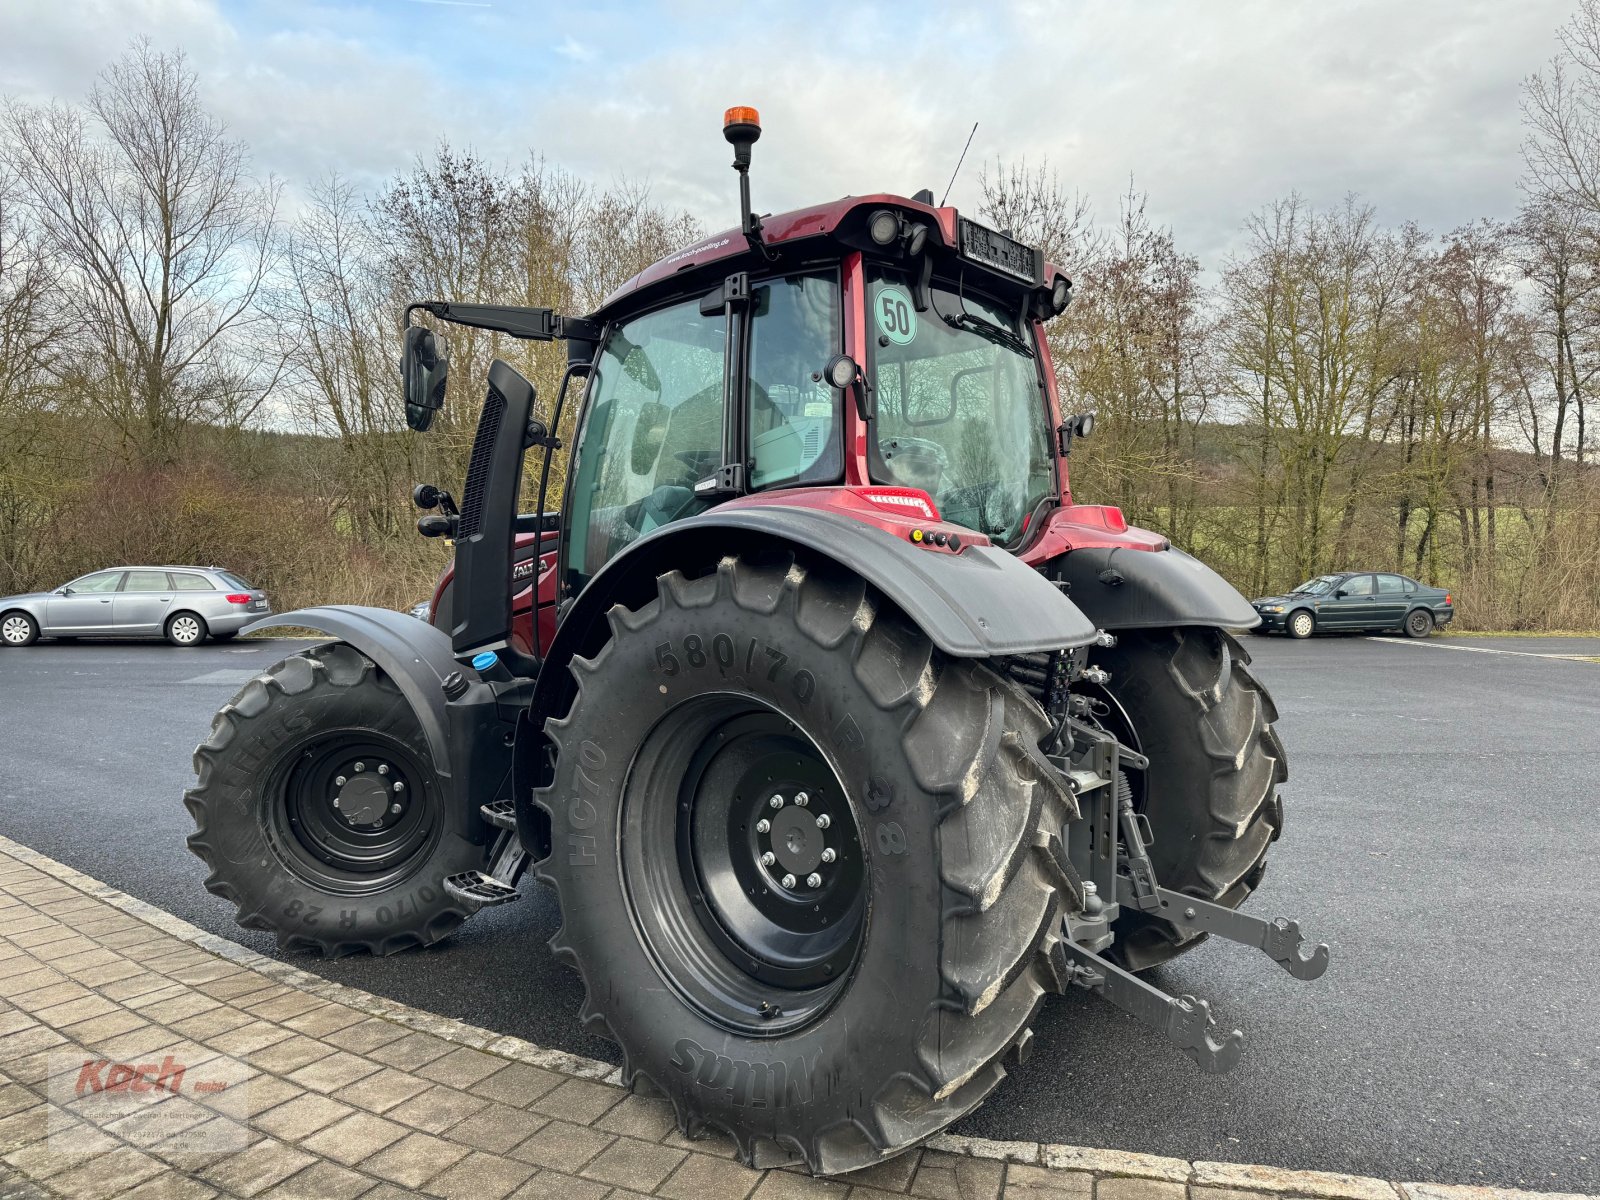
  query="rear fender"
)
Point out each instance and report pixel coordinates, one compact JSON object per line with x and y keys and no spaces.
{"x":980,"y":602}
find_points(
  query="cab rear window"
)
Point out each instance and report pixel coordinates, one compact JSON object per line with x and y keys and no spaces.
{"x":184,"y":581}
{"x":232,"y":580}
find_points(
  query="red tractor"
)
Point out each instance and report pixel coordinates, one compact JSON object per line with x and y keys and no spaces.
{"x":843,"y":734}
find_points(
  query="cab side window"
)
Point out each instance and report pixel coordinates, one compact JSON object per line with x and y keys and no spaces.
{"x":185,"y":581}
{"x":1391,"y":585}
{"x":652,"y":430}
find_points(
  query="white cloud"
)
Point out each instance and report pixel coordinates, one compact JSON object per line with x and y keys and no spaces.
{"x":572,"y":48}
{"x":1215,"y":109}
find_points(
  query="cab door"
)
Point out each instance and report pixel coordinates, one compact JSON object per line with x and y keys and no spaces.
{"x":84,"y":605}
{"x":142,"y":605}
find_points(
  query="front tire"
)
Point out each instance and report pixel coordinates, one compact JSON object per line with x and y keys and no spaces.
{"x":185,"y":629}
{"x":835,"y":1020}
{"x":1188,"y":701}
{"x":1301,"y":624}
{"x":18,"y":629}
{"x":1419,"y":623}
{"x":319,"y":727}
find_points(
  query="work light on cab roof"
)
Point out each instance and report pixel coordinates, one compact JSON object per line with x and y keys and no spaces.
{"x":843,"y":732}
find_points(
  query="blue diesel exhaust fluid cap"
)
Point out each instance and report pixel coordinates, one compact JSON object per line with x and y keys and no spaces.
{"x":482,"y":662}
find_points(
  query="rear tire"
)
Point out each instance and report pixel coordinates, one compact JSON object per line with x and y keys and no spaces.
{"x":18,"y":629}
{"x":185,"y":629}
{"x":321,"y":878}
{"x":1418,"y":623}
{"x":931,"y":943}
{"x":1301,"y":624}
{"x":1211,"y":791}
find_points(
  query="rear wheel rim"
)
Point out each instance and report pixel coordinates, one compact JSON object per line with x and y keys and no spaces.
{"x":755,"y":928}
{"x":1419,"y":623}
{"x":186,"y":630}
{"x":16,"y":630}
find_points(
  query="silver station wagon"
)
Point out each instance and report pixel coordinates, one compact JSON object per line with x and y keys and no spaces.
{"x":185,"y":605}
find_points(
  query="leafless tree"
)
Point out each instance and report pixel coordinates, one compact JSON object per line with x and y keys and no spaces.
{"x":162,"y":239}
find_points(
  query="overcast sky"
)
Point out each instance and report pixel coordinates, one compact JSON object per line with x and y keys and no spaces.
{"x":1215,"y":108}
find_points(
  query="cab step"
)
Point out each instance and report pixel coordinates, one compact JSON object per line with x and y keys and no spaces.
{"x":480,"y":890}
{"x":502,"y":814}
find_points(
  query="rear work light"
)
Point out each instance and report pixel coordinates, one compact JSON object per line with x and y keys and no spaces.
{"x":238,"y":598}
{"x":904,"y":500}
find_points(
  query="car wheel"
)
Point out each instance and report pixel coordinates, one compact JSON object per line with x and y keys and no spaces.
{"x":1419,"y":623}
{"x":185,"y":629}
{"x":18,"y":629}
{"x":1301,"y":624}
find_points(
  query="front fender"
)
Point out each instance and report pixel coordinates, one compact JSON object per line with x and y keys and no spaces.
{"x":1126,"y":588}
{"x":411,"y":652}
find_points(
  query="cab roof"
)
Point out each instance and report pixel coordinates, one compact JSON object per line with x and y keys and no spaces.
{"x":796,"y":225}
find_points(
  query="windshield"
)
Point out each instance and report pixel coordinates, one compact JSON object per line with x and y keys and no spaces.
{"x":1320,"y":586}
{"x":960,"y":413}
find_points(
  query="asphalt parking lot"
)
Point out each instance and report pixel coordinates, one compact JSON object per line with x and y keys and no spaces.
{"x":1442,"y":836}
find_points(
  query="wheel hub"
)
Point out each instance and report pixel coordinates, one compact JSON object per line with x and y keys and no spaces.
{"x":350,"y":813}
{"x":795,"y":840}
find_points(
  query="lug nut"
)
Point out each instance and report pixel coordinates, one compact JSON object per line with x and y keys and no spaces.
{"x":802,"y":799}
{"x":383,"y":768}
{"x":788,"y":881}
{"x":776,"y":802}
{"x":763,"y":825}
{"x":768,"y":859}
{"x":338,"y":781}
{"x":395,"y":809}
{"x":814,"y":880}
{"x":828,"y":855}
{"x":824,"y":821}
{"x":360,"y":766}
{"x":398,"y":786}
{"x":336,"y":802}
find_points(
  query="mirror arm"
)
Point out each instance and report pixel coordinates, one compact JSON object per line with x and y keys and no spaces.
{"x":530,"y":324}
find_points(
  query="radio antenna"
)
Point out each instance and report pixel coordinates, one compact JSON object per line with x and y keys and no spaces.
{"x":959,"y":161}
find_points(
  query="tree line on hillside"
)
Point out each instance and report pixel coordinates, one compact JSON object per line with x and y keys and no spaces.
{"x":1338,"y":393}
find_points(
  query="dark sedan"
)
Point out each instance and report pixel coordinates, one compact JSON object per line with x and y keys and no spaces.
{"x":1357,"y":600}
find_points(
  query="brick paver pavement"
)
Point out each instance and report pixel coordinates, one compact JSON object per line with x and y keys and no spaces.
{"x":335,"y":1094}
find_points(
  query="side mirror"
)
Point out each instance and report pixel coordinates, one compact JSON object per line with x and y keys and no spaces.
{"x":1340,"y":594}
{"x":63,"y":590}
{"x":424,"y":370}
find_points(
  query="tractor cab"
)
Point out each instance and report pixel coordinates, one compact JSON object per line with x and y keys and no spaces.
{"x":880,"y":346}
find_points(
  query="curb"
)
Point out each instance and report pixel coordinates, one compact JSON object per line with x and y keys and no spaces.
{"x":1225,"y":1177}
